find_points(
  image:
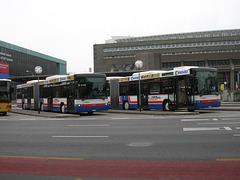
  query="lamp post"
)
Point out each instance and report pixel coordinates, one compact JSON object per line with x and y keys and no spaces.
{"x":28,"y":71}
{"x":38,"y":70}
{"x":139,"y":65}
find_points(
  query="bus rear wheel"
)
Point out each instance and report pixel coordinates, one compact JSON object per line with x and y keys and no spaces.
{"x":126,"y":105}
{"x":62,"y":108}
{"x":166,"y":105}
{"x":41,"y":107}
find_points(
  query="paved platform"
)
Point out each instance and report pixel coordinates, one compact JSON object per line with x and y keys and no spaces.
{"x":67,"y":115}
{"x":226,"y":106}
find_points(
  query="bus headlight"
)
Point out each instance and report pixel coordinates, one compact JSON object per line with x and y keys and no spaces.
{"x":80,"y":105}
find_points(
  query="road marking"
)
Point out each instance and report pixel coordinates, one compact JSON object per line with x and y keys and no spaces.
{"x":27,"y":119}
{"x":120,"y":118}
{"x":215,"y":119}
{"x":202,"y":129}
{"x":80,"y":136}
{"x":227,"y":128}
{"x":236,"y":135}
{"x":3,"y":119}
{"x":94,"y":125}
{"x":222,"y":123}
{"x":229,"y":119}
{"x":237,"y":127}
{"x":34,"y":157}
{"x":189,"y":120}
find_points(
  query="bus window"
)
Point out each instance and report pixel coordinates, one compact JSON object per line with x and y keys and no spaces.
{"x":154,"y":88}
{"x":124,"y":89}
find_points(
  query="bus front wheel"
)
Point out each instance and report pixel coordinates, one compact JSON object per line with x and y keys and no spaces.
{"x":62,"y":108}
{"x":126,"y":105}
{"x":41,"y":106}
{"x":166,"y":105}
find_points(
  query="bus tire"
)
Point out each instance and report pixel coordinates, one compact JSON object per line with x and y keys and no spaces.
{"x":4,"y":113}
{"x":126,"y":105}
{"x":166,"y":105}
{"x":62,"y":108}
{"x":41,"y":107}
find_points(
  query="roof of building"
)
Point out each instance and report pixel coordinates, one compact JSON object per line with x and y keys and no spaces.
{"x":202,"y":34}
{"x":30,"y":52}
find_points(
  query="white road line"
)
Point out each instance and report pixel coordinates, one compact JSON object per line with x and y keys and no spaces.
{"x":229,"y":119}
{"x":202,"y":129}
{"x":237,"y":127}
{"x":80,"y":136}
{"x":236,"y":135}
{"x":189,"y":120}
{"x":3,"y":119}
{"x":94,"y":125}
{"x":228,"y":128}
{"x":222,"y":123}
{"x":27,"y":119}
{"x":120,"y":118}
{"x":215,"y":119}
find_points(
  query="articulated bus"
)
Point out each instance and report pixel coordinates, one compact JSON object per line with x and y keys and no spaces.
{"x":183,"y":87}
{"x":5,"y":96}
{"x":65,"y":93}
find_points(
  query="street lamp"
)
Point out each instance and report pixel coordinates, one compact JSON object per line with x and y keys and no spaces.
{"x":28,"y":71}
{"x":139,"y":65}
{"x":38,"y":70}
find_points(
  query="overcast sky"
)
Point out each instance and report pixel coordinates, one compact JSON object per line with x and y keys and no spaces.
{"x":68,"y":29}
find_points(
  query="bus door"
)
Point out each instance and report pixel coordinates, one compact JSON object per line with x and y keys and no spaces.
{"x":184,"y":92}
{"x":50,"y":103}
{"x":144,"y":95}
{"x":29,"y":102}
{"x":70,"y":104}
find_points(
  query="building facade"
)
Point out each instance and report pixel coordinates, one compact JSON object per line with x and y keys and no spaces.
{"x":18,"y":64}
{"x":218,"y":49}
{"x":15,"y":61}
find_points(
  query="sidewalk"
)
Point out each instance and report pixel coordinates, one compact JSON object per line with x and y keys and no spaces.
{"x":226,"y":106}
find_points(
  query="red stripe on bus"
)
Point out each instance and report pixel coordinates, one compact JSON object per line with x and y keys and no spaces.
{"x":209,"y":101}
{"x":58,"y":105}
{"x":93,"y":105}
{"x":155,"y":102}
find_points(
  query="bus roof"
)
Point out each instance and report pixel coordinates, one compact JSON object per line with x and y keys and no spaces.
{"x":59,"y":78}
{"x":185,"y":67}
{"x":6,"y":80}
{"x":178,"y":71}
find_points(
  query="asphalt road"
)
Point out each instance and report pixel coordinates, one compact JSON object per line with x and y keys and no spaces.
{"x":118,"y":142}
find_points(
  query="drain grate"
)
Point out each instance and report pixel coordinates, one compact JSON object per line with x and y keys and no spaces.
{"x":139,"y":144}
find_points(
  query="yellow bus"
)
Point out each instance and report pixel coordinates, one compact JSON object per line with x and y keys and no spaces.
{"x":5,"y":96}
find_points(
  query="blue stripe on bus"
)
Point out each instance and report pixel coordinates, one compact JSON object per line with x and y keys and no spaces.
{"x":206,"y":105}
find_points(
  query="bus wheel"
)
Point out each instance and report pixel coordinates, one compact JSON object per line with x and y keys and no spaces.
{"x":62,"y":108}
{"x":126,"y":105}
{"x":41,"y":106}
{"x":166,"y":105}
{"x":4,"y":113}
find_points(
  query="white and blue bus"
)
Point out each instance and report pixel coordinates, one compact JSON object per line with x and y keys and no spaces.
{"x":65,"y":93}
{"x":181,"y":88}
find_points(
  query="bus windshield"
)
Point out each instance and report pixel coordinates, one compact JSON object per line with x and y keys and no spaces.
{"x":4,"y":90}
{"x":207,"y":83}
{"x":91,"y":88}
